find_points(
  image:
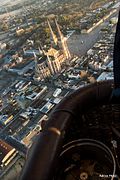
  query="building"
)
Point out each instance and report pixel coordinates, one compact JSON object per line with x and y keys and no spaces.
{"x":7,"y":153}
{"x":20,"y":32}
{"x":19,"y":146}
{"x":50,"y":62}
{"x":54,"y":65}
{"x":36,"y":93}
{"x":5,"y":119}
{"x":55,"y":60}
{"x":57,"y":54}
{"x":42,"y":70}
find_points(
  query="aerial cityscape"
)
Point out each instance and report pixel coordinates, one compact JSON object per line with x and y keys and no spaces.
{"x":48,"y":49}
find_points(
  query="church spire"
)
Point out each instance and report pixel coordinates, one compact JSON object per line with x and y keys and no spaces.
{"x":63,"y":42}
{"x":52,"y":33}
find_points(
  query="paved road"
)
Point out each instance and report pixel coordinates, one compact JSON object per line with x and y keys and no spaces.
{"x":74,"y":42}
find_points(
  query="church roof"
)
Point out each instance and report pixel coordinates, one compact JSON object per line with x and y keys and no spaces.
{"x":52,"y":52}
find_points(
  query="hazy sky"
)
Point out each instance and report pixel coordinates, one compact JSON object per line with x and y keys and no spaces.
{"x":11,"y":1}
